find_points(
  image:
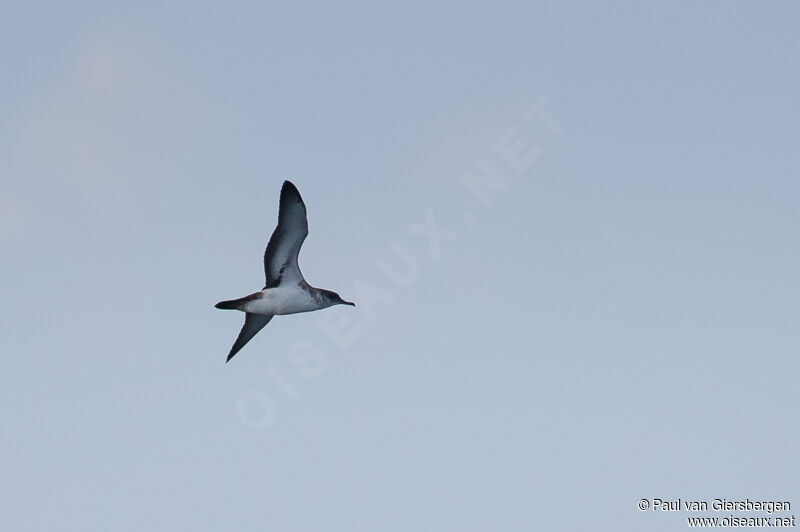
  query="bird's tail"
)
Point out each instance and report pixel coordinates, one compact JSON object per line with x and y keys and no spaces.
{"x":238,"y":304}
{"x":231,"y":304}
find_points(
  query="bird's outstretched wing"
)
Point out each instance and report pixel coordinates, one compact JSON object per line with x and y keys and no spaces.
{"x":280,"y":257}
{"x":252,"y":324}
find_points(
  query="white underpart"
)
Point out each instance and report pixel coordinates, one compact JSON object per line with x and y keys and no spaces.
{"x":283,"y":299}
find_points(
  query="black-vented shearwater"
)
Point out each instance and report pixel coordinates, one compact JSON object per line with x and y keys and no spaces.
{"x":286,"y":292}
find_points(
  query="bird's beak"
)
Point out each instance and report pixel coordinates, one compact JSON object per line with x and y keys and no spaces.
{"x":348,"y":303}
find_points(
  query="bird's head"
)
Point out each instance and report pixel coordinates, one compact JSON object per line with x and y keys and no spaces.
{"x":336,"y":299}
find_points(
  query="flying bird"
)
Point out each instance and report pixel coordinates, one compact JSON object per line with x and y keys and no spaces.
{"x":286,"y":292}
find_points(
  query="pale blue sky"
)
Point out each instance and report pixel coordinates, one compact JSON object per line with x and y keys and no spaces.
{"x":619,"y":322}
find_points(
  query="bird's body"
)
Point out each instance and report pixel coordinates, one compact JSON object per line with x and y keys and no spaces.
{"x":285,"y":299}
{"x":286,"y":292}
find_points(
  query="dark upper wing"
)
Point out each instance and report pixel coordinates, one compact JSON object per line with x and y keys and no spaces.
{"x":252,"y":324}
{"x":280,"y":257}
